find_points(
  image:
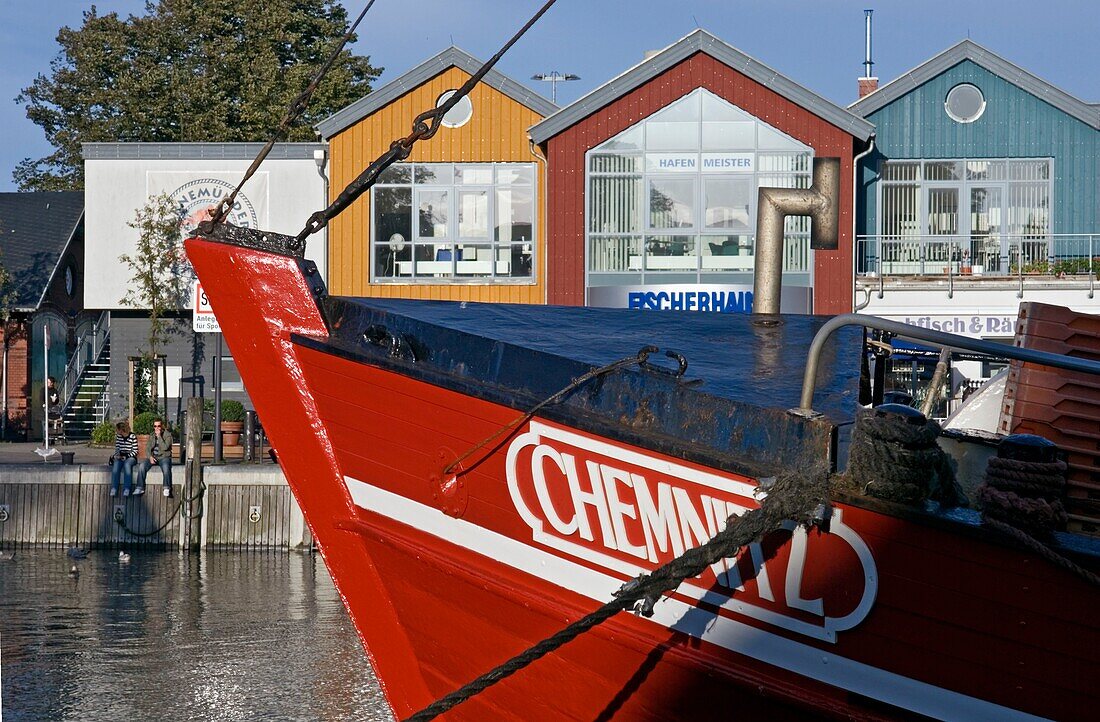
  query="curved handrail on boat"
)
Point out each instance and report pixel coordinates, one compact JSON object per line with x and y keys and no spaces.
{"x":939,"y":339}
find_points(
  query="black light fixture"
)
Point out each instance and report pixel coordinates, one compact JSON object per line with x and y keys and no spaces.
{"x":554,"y":77}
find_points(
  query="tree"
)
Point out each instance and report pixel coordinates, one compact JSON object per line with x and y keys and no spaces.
{"x":187,"y":70}
{"x":159,"y":281}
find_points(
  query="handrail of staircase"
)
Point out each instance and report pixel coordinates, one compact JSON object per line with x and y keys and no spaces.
{"x":102,"y":413}
{"x":88,"y":347}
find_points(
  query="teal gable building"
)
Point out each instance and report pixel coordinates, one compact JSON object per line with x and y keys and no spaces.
{"x":981,"y":168}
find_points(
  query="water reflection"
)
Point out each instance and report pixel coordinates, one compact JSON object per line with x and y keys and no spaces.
{"x":211,"y":636}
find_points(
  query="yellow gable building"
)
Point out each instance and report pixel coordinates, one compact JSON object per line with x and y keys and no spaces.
{"x":464,"y":218}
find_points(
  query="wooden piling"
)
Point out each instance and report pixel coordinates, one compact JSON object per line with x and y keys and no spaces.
{"x":192,"y":487}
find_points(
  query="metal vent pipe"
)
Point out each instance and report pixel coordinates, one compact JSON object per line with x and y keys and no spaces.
{"x":821,"y":202}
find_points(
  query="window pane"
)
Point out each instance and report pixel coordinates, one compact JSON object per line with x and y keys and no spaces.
{"x":439,"y":174}
{"x":900,"y":211}
{"x":474,"y":175}
{"x":521,"y":260}
{"x":728,"y":203}
{"x":615,"y":164}
{"x":615,"y":253}
{"x":729,"y":136}
{"x":943,"y":170}
{"x":515,"y":175}
{"x":985,"y":170}
{"x":432,"y":214}
{"x":515,"y":213}
{"x":670,"y":253}
{"x":672,"y":136}
{"x":1029,"y":169}
{"x":397,"y":173}
{"x":895,"y":171}
{"x":473,"y":214}
{"x":392,"y":214}
{"x":629,"y":139}
{"x":715,"y":108}
{"x":784,"y":163}
{"x":770,"y":139}
{"x":614,"y":204}
{"x":475,"y":260}
{"x":684,"y":109}
{"x":943,"y":211}
{"x":672,"y":203}
{"x":1028,"y":211}
{"x":392,"y":260}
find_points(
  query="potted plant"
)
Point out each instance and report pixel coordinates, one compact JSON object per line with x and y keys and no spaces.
{"x":232,"y":422}
{"x":143,"y":427}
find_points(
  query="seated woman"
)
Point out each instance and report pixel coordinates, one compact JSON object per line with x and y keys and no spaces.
{"x":123,"y":460}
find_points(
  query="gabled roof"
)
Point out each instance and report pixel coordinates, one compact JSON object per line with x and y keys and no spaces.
{"x":452,"y":57}
{"x":701,"y":41}
{"x":969,"y":50}
{"x":35,"y":229}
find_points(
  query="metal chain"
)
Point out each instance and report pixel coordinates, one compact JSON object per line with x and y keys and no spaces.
{"x":424,"y":127}
{"x":293,"y":112}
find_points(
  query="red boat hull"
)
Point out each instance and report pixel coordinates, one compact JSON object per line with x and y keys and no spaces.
{"x":446,"y":577}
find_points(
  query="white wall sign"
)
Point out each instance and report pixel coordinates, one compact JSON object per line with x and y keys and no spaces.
{"x":204,"y":320}
{"x":280,"y":197}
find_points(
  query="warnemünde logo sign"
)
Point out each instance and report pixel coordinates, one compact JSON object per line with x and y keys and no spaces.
{"x":195,"y":196}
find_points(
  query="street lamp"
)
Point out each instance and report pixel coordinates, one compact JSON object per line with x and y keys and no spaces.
{"x":554,"y":78}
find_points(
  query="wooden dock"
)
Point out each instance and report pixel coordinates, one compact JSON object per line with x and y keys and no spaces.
{"x":244,"y":506}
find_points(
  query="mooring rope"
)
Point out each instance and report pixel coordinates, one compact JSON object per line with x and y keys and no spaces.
{"x":121,"y":520}
{"x":1030,"y":542}
{"x":508,"y":429}
{"x":799,"y":498}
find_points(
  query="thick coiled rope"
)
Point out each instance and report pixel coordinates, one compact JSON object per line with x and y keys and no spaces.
{"x":1025,"y":494}
{"x":896,"y":457}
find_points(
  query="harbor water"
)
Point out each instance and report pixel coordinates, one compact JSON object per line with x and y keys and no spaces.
{"x":166,"y":635}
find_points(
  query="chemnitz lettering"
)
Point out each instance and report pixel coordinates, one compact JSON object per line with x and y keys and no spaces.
{"x":630,"y":512}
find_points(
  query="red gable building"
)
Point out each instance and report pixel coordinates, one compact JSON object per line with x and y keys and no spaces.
{"x":653,"y":179}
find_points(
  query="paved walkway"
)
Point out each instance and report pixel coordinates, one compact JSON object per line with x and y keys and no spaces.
{"x":24,"y":453}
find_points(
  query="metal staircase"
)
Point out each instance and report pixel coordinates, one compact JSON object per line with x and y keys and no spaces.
{"x":86,"y":379}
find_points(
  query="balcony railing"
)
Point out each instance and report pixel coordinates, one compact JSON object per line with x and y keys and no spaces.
{"x":1072,"y":256}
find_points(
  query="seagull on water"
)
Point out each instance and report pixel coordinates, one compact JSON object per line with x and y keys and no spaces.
{"x":123,"y":557}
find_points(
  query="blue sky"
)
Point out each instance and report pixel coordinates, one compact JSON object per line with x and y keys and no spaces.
{"x":817,"y":44}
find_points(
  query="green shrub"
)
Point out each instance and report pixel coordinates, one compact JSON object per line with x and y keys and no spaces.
{"x":232,"y":410}
{"x":104,"y":433}
{"x":143,"y":422}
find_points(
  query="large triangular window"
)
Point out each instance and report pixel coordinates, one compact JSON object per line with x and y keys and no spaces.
{"x":672,"y":199}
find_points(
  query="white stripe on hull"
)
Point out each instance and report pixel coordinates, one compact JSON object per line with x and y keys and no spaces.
{"x":817,"y":664}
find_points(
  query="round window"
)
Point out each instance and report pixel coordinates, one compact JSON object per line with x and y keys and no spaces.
{"x":965,"y":103}
{"x":460,"y":114}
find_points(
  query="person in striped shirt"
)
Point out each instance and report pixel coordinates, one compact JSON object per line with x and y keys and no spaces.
{"x":124,"y":458}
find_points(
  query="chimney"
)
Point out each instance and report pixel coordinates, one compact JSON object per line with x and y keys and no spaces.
{"x":868,"y":83}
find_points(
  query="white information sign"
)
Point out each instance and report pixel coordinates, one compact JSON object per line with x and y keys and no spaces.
{"x":204,"y":321}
